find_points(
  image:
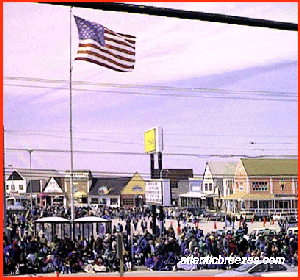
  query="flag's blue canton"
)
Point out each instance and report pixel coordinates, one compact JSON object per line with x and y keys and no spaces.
{"x":90,"y":30}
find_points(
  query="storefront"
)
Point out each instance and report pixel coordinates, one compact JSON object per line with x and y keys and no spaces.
{"x":192,"y":199}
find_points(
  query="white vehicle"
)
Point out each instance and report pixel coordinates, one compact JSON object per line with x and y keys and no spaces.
{"x":248,"y":216}
{"x":279,"y":216}
{"x":260,"y":269}
{"x":280,"y":274}
{"x":255,"y":233}
{"x":292,"y":230}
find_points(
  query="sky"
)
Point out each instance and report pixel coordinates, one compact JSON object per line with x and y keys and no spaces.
{"x":219,"y":91}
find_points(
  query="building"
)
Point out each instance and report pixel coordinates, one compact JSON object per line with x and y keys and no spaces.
{"x":218,"y":181}
{"x":194,"y":196}
{"x":175,"y":176}
{"x":82,"y":182}
{"x":133,"y":194}
{"x":34,"y":190}
{"x":106,"y":191}
{"x":265,"y":186}
{"x":15,"y":184}
{"x":53,"y":192}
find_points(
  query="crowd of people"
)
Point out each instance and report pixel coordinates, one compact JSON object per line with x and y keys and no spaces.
{"x":25,"y":252}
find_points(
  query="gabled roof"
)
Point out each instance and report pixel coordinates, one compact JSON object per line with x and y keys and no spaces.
{"x":270,"y":167}
{"x":113,"y":184}
{"x":222,"y":168}
{"x":35,"y":185}
{"x":59,"y":181}
{"x":15,"y":176}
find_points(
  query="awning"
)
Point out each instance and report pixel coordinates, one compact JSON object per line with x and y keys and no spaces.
{"x":80,"y":194}
{"x":257,"y":196}
{"x":91,"y":219}
{"x":193,"y":195}
{"x":234,"y":196}
{"x":52,"y":220}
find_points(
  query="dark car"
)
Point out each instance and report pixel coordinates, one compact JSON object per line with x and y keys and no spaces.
{"x":216,"y":217}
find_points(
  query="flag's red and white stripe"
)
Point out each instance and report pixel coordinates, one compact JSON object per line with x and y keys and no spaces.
{"x":117,"y":54}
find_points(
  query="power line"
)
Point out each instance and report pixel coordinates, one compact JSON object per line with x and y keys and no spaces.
{"x":168,"y":146}
{"x":138,"y":133}
{"x":156,"y":11}
{"x":158,"y":94}
{"x":148,"y":87}
{"x":144,"y":154}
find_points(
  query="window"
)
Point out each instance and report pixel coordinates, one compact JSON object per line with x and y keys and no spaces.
{"x":264,"y":204}
{"x":137,"y":188}
{"x":103,"y":190}
{"x":241,"y":186}
{"x":277,"y":267}
{"x":128,"y":201}
{"x":12,"y":187}
{"x":206,"y":187}
{"x":260,"y":186}
{"x":259,"y":268}
{"x":113,"y":201}
{"x":21,"y":187}
{"x":7,"y":187}
{"x":254,"y":204}
{"x":75,"y":186}
{"x":94,"y":201}
{"x":210,"y":186}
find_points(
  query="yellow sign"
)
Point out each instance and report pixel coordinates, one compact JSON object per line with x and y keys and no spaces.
{"x":150,"y":141}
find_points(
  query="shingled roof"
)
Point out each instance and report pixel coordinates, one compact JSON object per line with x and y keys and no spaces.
{"x":113,"y":184}
{"x":222,"y":168}
{"x":270,"y":167}
{"x":35,"y":185}
{"x":15,"y":176}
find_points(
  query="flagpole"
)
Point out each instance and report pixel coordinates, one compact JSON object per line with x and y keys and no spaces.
{"x":71,"y":127}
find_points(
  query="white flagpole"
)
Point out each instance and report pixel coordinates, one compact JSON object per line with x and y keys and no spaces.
{"x":71,"y":129}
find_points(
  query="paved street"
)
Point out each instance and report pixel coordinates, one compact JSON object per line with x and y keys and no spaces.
{"x":205,"y":272}
{"x":206,"y":226}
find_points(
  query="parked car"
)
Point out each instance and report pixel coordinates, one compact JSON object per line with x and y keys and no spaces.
{"x":219,"y":232}
{"x":293,"y":222}
{"x":247,"y":215}
{"x":196,"y":211}
{"x":257,"y":232}
{"x":216,"y":217}
{"x":261,"y":216}
{"x":279,"y":216}
{"x":292,"y":230}
{"x":257,"y":269}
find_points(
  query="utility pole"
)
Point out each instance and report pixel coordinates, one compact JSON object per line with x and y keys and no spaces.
{"x":4,"y":187}
{"x":120,"y":252}
{"x":30,"y":151}
{"x":12,"y":177}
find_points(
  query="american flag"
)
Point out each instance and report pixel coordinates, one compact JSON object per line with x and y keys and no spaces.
{"x":102,"y":46}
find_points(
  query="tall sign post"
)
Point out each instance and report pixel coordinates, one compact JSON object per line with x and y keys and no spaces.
{"x":154,"y":145}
